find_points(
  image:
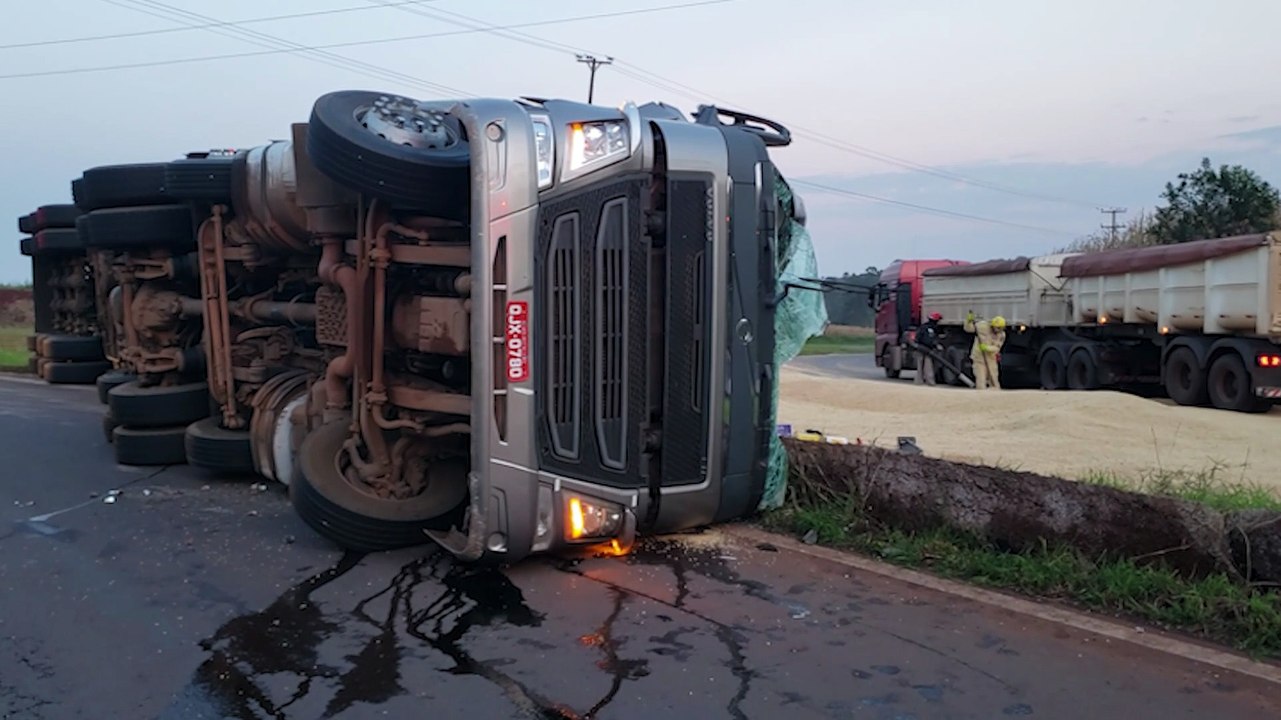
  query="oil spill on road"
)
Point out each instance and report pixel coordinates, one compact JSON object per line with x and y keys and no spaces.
{"x":429,"y":603}
{"x":618,"y":668}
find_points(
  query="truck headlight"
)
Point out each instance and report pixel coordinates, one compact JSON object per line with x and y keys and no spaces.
{"x":592,"y":519}
{"x":596,"y":142}
{"x":544,"y":149}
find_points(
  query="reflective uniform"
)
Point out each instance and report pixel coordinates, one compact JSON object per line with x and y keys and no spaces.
{"x":988,"y":341}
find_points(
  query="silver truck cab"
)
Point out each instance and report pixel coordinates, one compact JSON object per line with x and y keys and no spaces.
{"x":628,"y":261}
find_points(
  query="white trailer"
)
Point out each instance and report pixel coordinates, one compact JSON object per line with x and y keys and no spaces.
{"x":1202,"y":319}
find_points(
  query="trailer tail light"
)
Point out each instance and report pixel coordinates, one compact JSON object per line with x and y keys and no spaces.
{"x":1268,"y":361}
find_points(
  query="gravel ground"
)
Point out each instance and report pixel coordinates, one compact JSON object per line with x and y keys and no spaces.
{"x":1056,"y":433}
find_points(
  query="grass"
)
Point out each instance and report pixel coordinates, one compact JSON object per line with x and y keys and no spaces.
{"x":841,"y":339}
{"x":1207,"y":487}
{"x":1215,"y":607}
{"x":13,"y":348}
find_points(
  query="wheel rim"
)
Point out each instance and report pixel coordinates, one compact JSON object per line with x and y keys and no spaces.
{"x":406,"y":122}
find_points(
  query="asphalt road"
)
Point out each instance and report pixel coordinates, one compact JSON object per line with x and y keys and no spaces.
{"x":191,"y":598}
{"x":861,"y":366}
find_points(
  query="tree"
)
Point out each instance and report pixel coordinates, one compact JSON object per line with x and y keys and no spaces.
{"x":1211,"y":203}
{"x":850,"y":307}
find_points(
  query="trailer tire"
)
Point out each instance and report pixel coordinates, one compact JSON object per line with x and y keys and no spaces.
{"x":150,"y":446}
{"x":1053,"y":371}
{"x":152,"y":226}
{"x":207,"y":179}
{"x":217,"y":449}
{"x":112,"y":379}
{"x":71,"y":347}
{"x":56,"y":240}
{"x":1184,"y":380}
{"x":352,"y":519}
{"x":160,"y":406}
{"x":1231,"y":386}
{"x":1082,"y":373}
{"x":111,"y":186}
{"x":75,"y":373}
{"x":342,"y":145}
{"x":109,"y":425}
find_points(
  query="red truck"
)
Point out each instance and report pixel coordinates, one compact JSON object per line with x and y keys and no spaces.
{"x":897,"y":301}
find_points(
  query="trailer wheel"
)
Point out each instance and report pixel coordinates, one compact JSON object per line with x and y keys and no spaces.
{"x":49,"y":216}
{"x":159,"y":406}
{"x":166,"y":226}
{"x":56,"y":240}
{"x":357,"y":520}
{"x":215,"y":448}
{"x":391,"y":147}
{"x":1184,"y":381}
{"x":1082,"y":373}
{"x":109,"y":426}
{"x":75,"y":373}
{"x":110,"y":186}
{"x":150,"y":446}
{"x":1231,"y":386}
{"x":71,"y":347}
{"x":1053,"y":371}
{"x":207,"y":179}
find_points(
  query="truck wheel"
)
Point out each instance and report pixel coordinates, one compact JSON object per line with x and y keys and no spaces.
{"x":391,"y":147}
{"x":1184,"y":379}
{"x":355,"y":519}
{"x":75,"y":373}
{"x":1082,"y":373}
{"x":56,"y":240}
{"x":1053,"y":371}
{"x":109,"y":426}
{"x":1232,"y":388}
{"x":71,"y":347}
{"x":165,"y":226}
{"x":115,"y":378}
{"x":160,"y":406}
{"x":215,"y":448}
{"x":207,"y":179}
{"x":150,"y":446}
{"x":47,"y":217}
{"x":110,"y":186}
{"x":891,"y":372}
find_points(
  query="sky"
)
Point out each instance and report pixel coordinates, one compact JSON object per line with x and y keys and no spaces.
{"x":1064,"y":106}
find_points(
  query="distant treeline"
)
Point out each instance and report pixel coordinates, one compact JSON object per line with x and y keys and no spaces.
{"x":850,"y":308}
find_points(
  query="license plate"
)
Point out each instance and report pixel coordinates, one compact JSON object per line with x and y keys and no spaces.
{"x":517,"y":342}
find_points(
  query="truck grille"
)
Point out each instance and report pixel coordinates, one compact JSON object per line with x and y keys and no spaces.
{"x":563,"y":366}
{"x":611,"y":333}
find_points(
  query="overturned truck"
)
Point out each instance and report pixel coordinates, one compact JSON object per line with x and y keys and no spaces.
{"x":510,"y":326}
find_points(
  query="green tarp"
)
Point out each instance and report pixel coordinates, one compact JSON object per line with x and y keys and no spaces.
{"x":801,"y":315}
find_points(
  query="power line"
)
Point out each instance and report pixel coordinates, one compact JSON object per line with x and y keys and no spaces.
{"x":189,"y":28}
{"x":261,"y":39}
{"x":337,"y":45}
{"x":926,"y":208}
{"x":1113,"y":227}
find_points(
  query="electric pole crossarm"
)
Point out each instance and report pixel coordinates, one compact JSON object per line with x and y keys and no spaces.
{"x":592,"y":62}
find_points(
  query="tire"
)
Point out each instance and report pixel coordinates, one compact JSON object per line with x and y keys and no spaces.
{"x":32,"y":343}
{"x":429,"y":180}
{"x":27,"y":246}
{"x":1082,"y":373}
{"x":75,"y":373}
{"x":1185,"y":381}
{"x":352,"y":519}
{"x":207,"y":179}
{"x":112,"y":379}
{"x":27,"y":223}
{"x":215,"y":448}
{"x":150,"y":446}
{"x":57,"y":240}
{"x":1053,"y":371}
{"x":109,"y":426}
{"x":154,"y":226}
{"x":113,"y":186}
{"x":890,"y":371}
{"x":1231,"y":387}
{"x":162,"y":406}
{"x":71,"y":347}
{"x":54,"y":216}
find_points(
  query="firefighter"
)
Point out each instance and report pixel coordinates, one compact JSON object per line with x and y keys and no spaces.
{"x":927,"y":338}
{"x":989,"y":338}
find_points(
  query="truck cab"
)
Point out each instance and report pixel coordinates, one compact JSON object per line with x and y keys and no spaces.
{"x":896,"y":298}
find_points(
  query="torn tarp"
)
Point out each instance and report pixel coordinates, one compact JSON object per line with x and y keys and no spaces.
{"x":798,"y":317}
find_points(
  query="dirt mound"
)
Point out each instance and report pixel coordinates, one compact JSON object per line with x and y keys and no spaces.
{"x":1056,"y":433}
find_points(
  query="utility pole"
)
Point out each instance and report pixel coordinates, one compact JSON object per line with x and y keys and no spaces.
{"x":1113,"y":227}
{"x":592,"y":63}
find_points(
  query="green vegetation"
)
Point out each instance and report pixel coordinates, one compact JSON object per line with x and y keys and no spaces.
{"x":1207,"y":487}
{"x":13,"y":348}
{"x":841,"y":339}
{"x":1216,"y":607}
{"x":16,"y":286}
